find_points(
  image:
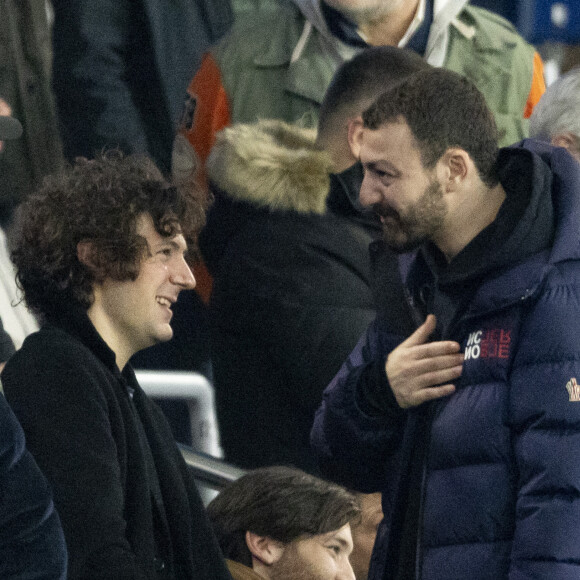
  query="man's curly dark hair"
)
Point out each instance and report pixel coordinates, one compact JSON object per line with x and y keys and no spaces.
{"x":99,"y":201}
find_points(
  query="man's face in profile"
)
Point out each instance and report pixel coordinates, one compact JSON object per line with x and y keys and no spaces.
{"x":322,"y":557}
{"x":407,"y":197}
{"x":365,"y":533}
{"x":138,"y":312}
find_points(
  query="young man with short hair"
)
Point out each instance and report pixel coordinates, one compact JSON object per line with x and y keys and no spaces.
{"x":280,"y":523}
{"x":286,"y":313}
{"x":101,"y":257}
{"x":465,"y":425}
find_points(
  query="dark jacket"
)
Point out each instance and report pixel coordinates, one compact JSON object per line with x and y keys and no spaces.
{"x":499,"y":479}
{"x":121,"y":69}
{"x":291,"y":288}
{"x":25,"y":65}
{"x":31,"y":540}
{"x":128,"y":504}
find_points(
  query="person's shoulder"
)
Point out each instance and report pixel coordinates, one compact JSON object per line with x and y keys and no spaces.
{"x":491,"y":25}
{"x":53,"y":341}
{"x":256,"y":18}
{"x":483,"y":15}
{"x":254,"y":33}
{"x":50,"y":350}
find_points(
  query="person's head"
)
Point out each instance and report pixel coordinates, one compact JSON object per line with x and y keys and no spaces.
{"x":109,"y":235}
{"x":364,"y":533}
{"x":423,"y":145}
{"x":354,"y":87}
{"x":556,"y":117}
{"x":286,"y":524}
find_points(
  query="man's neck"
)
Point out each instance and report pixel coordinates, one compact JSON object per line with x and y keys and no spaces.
{"x":388,"y":28}
{"x":101,"y":323}
{"x":467,"y":220}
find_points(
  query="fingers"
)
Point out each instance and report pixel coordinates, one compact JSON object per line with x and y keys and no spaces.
{"x":420,"y":371}
{"x":422,"y":334}
{"x":430,"y":365}
{"x":430,"y":379}
{"x":421,"y":389}
{"x":431,"y":394}
{"x":433,"y":350}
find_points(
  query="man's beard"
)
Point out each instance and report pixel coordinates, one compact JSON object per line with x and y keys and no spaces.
{"x":403,"y":232}
{"x":291,"y":567}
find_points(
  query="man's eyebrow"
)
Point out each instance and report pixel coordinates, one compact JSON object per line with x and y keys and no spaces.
{"x":340,"y":539}
{"x":171,"y":242}
{"x":381,"y":166}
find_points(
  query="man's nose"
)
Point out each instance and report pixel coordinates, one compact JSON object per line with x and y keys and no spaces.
{"x":368,"y":195}
{"x":346,"y":572}
{"x":181,"y":275}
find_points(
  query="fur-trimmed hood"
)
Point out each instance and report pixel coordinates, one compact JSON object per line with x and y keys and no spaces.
{"x":271,"y":164}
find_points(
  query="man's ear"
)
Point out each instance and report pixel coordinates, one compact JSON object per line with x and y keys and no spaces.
{"x":453,"y":168}
{"x":86,"y":254}
{"x":265,"y":551}
{"x":355,"y":133}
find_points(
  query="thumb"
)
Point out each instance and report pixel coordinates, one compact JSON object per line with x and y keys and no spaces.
{"x":422,"y":334}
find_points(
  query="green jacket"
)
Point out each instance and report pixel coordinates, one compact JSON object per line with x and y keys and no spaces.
{"x":272,"y":77}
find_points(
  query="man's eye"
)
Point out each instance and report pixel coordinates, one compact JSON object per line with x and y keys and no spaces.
{"x":335,"y":549}
{"x":165,"y":252}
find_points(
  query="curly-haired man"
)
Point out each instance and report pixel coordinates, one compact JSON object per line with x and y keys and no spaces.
{"x":101,"y":258}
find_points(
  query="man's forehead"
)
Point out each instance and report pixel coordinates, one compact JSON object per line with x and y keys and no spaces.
{"x":146,"y":228}
{"x":342,"y":535}
{"x":392,"y":130}
{"x":392,"y":140}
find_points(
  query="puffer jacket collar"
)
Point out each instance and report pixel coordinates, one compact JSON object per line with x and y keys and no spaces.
{"x":525,"y":279}
{"x":522,"y":280}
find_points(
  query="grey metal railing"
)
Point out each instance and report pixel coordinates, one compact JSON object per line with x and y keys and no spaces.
{"x":209,"y":471}
{"x":197,"y":392}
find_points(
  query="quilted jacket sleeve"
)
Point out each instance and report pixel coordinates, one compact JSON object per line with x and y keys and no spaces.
{"x":545,"y":422}
{"x":352,"y":443}
{"x":31,"y":540}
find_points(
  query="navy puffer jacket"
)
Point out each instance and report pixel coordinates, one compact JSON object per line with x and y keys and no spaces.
{"x":501,"y":479}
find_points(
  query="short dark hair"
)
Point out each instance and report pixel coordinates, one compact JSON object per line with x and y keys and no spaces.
{"x":442,"y":109}
{"x":358,"y":82}
{"x":282,"y":503}
{"x":99,"y":201}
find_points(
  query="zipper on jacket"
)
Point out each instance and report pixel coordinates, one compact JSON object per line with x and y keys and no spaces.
{"x":428,"y":422}
{"x":528,"y":294}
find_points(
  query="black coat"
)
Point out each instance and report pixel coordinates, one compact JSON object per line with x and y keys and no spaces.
{"x":292,"y":295}
{"x":128,"y":504}
{"x":32,"y":544}
{"x":121,"y":70}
